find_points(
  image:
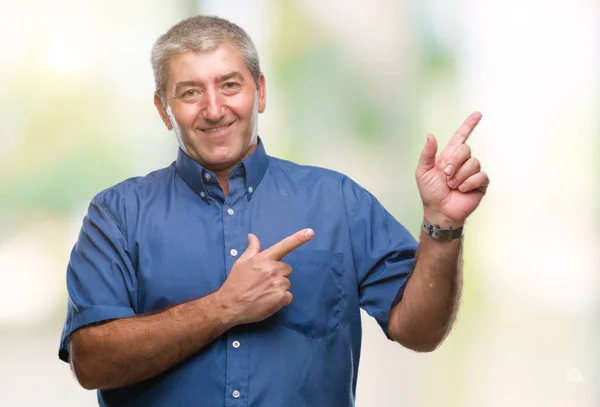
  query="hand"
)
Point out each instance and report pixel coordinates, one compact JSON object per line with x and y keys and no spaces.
{"x":451,"y":185}
{"x":258,"y":284}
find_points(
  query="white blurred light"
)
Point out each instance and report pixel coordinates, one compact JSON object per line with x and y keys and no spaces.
{"x":573,"y":375}
{"x":534,"y":84}
{"x":29,"y":287}
{"x":62,"y":55}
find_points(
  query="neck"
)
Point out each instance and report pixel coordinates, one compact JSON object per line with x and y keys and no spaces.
{"x":224,"y":173}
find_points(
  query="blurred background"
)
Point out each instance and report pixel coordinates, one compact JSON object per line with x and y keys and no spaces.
{"x":353,"y":86}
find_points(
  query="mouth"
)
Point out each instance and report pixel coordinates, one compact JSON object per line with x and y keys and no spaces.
{"x":216,"y":130}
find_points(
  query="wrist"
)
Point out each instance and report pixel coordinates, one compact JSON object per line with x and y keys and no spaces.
{"x":442,"y":221}
{"x":439,"y":233}
{"x":225,"y":309}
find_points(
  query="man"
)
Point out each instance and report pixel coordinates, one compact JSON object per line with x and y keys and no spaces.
{"x":232,"y":278}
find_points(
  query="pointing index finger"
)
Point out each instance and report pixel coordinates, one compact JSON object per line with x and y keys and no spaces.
{"x":465,"y":130}
{"x":285,"y":246}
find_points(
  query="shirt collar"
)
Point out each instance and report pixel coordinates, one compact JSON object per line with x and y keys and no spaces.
{"x":193,"y":173}
{"x":255,"y":166}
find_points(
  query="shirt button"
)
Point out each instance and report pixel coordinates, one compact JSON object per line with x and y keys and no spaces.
{"x":236,"y":344}
{"x":230,"y":211}
{"x":235,"y":394}
{"x":233,"y":252}
{"x":250,"y":189}
{"x":202,"y":194}
{"x":207,"y":176}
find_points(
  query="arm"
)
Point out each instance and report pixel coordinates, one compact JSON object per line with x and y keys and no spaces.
{"x":428,"y":308}
{"x":126,"y":351}
{"x":451,"y":187}
{"x":129,"y":350}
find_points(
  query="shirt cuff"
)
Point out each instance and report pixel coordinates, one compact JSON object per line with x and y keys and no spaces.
{"x":86,"y":317}
{"x":384,"y":317}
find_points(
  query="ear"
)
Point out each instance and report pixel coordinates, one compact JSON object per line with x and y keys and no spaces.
{"x":262,"y":93}
{"x":162,"y":111}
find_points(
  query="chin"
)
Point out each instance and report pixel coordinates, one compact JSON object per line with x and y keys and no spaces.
{"x":223,"y":159}
{"x":221,"y":156}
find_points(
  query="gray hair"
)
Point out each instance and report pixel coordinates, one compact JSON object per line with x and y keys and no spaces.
{"x":197,"y":34}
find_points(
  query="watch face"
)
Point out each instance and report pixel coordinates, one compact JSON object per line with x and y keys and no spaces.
{"x":445,"y":234}
{"x":441,"y":234}
{"x":450,"y":234}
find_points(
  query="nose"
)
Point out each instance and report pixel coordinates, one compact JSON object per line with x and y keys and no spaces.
{"x":213,"y":109}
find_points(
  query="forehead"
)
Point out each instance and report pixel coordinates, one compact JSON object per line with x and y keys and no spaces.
{"x":206,"y":66}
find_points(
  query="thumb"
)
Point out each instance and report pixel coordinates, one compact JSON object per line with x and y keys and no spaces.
{"x":427,"y":159}
{"x":253,"y":247}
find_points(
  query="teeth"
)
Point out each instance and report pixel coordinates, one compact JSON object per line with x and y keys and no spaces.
{"x":216,"y":129}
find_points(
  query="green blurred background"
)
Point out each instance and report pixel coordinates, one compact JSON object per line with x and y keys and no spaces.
{"x":353,"y":86}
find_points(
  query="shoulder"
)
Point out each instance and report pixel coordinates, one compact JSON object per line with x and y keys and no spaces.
{"x":116,"y":198}
{"x":328,"y":182}
{"x":299,"y":172}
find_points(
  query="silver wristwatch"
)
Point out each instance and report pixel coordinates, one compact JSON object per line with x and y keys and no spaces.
{"x":439,"y":233}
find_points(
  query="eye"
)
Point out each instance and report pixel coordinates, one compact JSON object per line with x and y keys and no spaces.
{"x":190,"y":95}
{"x":230,"y":86}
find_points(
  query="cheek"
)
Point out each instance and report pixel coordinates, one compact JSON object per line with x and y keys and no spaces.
{"x":242,"y":106}
{"x":186,"y":115}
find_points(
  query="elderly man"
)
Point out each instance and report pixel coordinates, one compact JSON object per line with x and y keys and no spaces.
{"x":233,"y":278}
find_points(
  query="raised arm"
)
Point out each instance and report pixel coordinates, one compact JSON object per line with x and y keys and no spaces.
{"x":451,"y":187}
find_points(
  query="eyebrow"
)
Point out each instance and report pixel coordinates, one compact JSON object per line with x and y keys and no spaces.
{"x":221,"y":78}
{"x":230,"y":75}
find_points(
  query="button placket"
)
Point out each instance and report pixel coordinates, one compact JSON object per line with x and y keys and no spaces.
{"x":235,"y":241}
{"x":237,"y":369}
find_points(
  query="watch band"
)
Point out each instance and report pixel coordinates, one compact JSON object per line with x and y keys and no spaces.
{"x":439,"y":233}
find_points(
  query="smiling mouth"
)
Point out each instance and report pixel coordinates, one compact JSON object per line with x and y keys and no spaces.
{"x":216,"y":129}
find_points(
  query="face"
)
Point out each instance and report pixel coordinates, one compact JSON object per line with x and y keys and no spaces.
{"x":213,"y":106}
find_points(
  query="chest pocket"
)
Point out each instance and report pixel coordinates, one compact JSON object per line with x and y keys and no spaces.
{"x":316,"y":284}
